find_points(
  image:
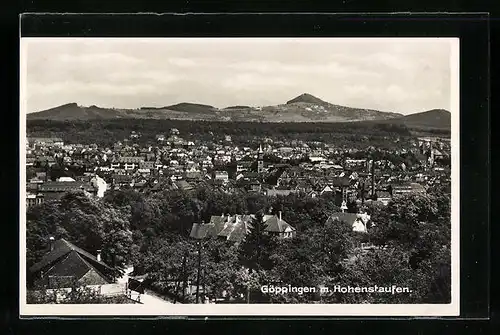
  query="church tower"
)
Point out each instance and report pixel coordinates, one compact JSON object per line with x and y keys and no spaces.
{"x":260,"y":160}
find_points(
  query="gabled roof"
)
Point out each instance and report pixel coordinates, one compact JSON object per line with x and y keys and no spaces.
{"x":340,"y":181}
{"x":201,"y":230}
{"x":72,"y":265}
{"x":237,"y":227}
{"x":182,"y":184}
{"x":277,"y":225}
{"x":61,"y":249}
{"x":348,"y":218}
{"x":218,"y":223}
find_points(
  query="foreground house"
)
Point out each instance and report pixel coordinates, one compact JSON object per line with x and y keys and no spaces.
{"x":235,"y":227}
{"x":359,"y":222}
{"x":67,"y":263}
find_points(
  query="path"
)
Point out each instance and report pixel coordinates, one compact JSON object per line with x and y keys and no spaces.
{"x":146,"y":298}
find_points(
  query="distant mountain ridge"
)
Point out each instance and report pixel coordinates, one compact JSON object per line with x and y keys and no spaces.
{"x":303,"y":108}
{"x":434,"y":118}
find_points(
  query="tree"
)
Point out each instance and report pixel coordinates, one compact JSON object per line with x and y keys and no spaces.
{"x":83,"y":220}
{"x":312,"y":259}
{"x":352,"y":207}
{"x":256,"y":249}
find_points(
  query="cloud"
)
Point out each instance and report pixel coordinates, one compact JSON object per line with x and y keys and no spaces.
{"x":93,"y":58}
{"x":252,"y":81}
{"x":76,"y":87}
{"x":395,"y":75}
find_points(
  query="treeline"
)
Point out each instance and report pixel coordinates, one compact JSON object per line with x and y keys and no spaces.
{"x":151,"y":232}
{"x":110,"y":131}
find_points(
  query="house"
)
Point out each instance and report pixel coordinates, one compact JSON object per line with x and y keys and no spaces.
{"x":326,"y":189}
{"x":406,"y":189}
{"x":130,"y":163}
{"x":183,"y":185}
{"x":235,"y":227}
{"x":276,"y":225}
{"x":121,"y":180}
{"x":46,"y":141}
{"x":359,"y":222}
{"x":66,"y":263}
{"x":280,"y":192}
{"x":56,"y":189}
{"x":221,"y":175}
{"x":384,"y":197}
{"x":243,"y":166}
{"x":33,"y":199}
{"x":147,"y":165}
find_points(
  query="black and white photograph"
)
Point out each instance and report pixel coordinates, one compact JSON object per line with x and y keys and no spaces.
{"x":239,"y":176}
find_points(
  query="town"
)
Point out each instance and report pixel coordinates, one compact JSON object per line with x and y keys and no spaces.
{"x":355,"y":183}
{"x":270,"y":168}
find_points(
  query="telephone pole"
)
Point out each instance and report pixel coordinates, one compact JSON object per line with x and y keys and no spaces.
{"x":198,"y":274}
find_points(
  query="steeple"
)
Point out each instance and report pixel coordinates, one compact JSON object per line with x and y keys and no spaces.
{"x":260,"y":160}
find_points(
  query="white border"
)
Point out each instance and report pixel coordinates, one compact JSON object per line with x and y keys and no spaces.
{"x":388,"y":310}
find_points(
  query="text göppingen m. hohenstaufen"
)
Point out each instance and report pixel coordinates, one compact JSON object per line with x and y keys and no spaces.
{"x":391,"y":289}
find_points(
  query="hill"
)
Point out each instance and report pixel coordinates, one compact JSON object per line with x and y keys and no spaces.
{"x":307,"y":98}
{"x":431,"y":119}
{"x":73,"y":111}
{"x":303,"y":108}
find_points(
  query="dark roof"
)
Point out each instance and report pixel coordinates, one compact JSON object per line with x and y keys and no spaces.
{"x":340,"y":181}
{"x":383,"y":194}
{"x":62,"y":248}
{"x":275,"y":225}
{"x":201,"y":230}
{"x":280,"y":192}
{"x":182,"y":184}
{"x":348,"y":218}
{"x":72,"y":265}
{"x":237,"y":227}
{"x":131,"y":159}
{"x":122,"y":177}
{"x":63,"y":186}
{"x":218,"y":222}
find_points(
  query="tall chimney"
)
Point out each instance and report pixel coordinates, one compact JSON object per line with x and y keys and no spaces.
{"x":99,"y":255}
{"x":280,"y":215}
{"x":51,"y":241}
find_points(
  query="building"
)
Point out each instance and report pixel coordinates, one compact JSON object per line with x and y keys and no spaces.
{"x":406,"y":189}
{"x":235,"y":227}
{"x":130,"y":163}
{"x":56,"y":189}
{"x":221,"y":175}
{"x":359,"y":222}
{"x":384,"y":197}
{"x":280,"y":192}
{"x":66,"y":264}
{"x":260,"y":160}
{"x":33,"y":199}
{"x":45,"y":141}
{"x":276,"y":225}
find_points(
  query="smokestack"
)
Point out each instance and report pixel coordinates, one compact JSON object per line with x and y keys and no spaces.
{"x":51,"y":241}
{"x":279,"y":215}
{"x":98,"y":255}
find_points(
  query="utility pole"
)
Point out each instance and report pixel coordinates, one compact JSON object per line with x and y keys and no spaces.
{"x":198,"y":274}
{"x":373,"y":178}
{"x":184,"y":278}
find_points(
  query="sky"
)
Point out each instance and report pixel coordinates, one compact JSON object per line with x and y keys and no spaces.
{"x":394,"y":75}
